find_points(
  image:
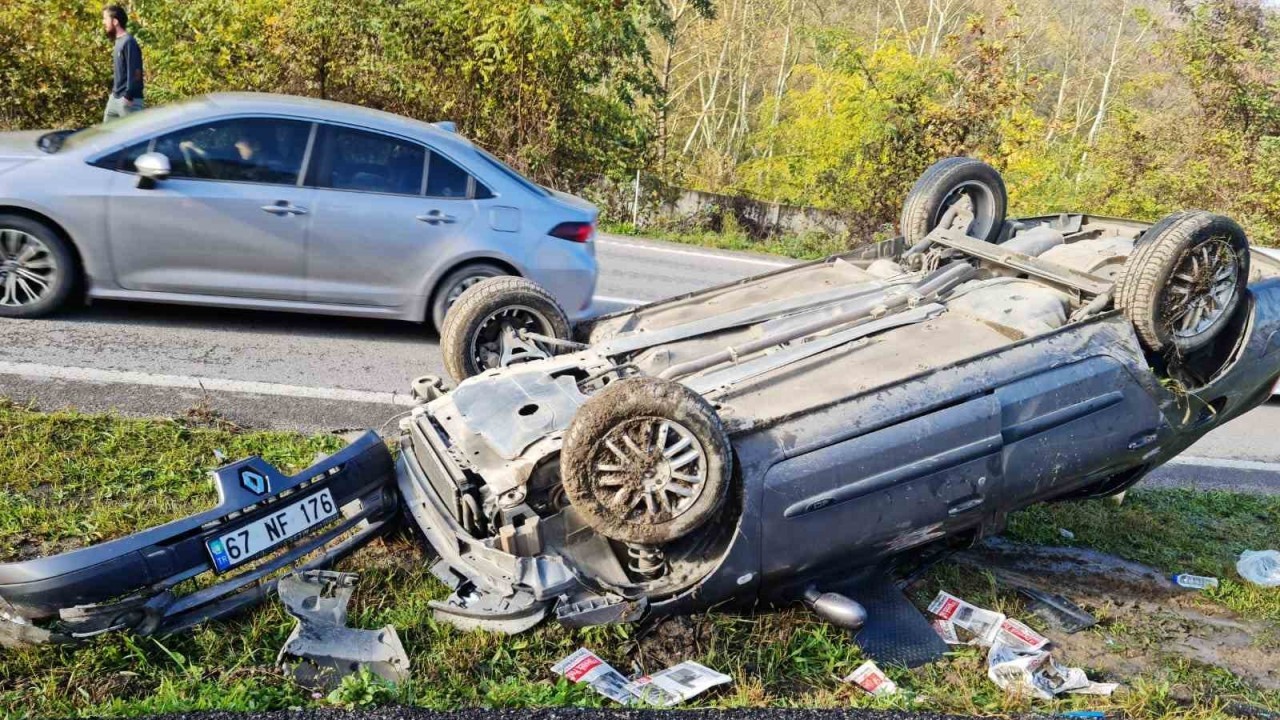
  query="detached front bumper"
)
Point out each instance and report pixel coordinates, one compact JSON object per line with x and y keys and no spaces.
{"x":130,"y":583}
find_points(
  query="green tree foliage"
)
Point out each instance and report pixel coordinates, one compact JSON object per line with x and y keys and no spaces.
{"x":554,"y":86}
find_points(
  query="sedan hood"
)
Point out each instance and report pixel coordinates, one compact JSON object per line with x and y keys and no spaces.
{"x":20,"y":145}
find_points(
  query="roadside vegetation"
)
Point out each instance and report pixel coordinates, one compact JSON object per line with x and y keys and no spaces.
{"x":782,"y":658}
{"x":1121,"y":107}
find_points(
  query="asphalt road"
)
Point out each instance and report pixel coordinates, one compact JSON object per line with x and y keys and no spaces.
{"x":313,"y":373}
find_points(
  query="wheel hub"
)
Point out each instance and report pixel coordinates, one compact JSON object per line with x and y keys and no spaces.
{"x":499,"y":341}
{"x":27,"y":268}
{"x":649,"y":470}
{"x":1201,"y":288}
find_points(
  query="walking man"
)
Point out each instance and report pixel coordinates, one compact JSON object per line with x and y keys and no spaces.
{"x":126,"y":83}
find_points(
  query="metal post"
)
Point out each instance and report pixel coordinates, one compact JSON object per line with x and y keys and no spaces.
{"x":635,"y":204}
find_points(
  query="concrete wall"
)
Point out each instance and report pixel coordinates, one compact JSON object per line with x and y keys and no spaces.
{"x":758,"y":218}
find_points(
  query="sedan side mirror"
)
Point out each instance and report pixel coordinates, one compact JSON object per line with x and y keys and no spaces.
{"x":152,"y":167}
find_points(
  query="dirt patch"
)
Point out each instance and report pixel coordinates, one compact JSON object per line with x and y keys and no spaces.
{"x":671,"y":641}
{"x":1143,"y":617}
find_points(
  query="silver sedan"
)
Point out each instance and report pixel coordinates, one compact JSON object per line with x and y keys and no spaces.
{"x":277,"y":203}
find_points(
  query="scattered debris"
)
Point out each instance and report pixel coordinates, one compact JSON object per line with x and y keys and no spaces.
{"x":871,"y":678}
{"x":1194,"y":582}
{"x":663,"y":689}
{"x":986,"y":627}
{"x":1058,"y":612}
{"x":1260,"y":567}
{"x":1036,"y":673}
{"x":585,"y":666}
{"x":322,"y":650}
{"x":1066,"y":534}
{"x":675,"y":685}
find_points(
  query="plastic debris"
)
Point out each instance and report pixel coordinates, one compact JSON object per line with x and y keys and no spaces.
{"x":1036,"y":673}
{"x":1066,"y":534}
{"x":585,"y":666}
{"x":1057,"y":611}
{"x":322,"y":650}
{"x":871,"y":678}
{"x":664,"y":689}
{"x":677,"y":684}
{"x":1260,"y":567}
{"x":1194,"y":582}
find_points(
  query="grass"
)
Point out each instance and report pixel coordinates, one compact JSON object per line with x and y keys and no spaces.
{"x":810,"y":246}
{"x":64,"y":473}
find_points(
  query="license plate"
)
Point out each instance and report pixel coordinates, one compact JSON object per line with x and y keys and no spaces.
{"x":259,"y":536}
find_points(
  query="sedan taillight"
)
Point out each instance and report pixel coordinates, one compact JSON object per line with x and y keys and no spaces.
{"x":578,"y":232}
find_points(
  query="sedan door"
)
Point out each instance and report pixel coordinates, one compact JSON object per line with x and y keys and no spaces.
{"x":231,"y":220}
{"x":387,"y":209}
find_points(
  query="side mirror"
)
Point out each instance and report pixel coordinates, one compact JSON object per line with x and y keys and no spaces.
{"x":152,"y":167}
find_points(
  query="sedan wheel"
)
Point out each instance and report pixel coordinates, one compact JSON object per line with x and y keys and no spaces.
{"x":38,"y":269}
{"x":28,"y":269}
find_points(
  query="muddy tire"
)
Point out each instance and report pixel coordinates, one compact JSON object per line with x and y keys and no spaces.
{"x":39,"y":271}
{"x":950,"y":181}
{"x":646,"y":461}
{"x":477,"y":331}
{"x":1184,"y":280}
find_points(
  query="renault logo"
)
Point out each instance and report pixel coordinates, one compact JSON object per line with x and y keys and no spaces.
{"x":253,"y":481}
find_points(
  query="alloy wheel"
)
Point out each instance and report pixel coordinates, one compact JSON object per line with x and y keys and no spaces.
{"x":28,"y":269}
{"x":1201,"y":289}
{"x":650,"y":470}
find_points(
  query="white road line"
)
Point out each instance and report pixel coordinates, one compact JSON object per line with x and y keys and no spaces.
{"x":122,"y":377}
{"x":624,"y":301}
{"x":1226,"y":464}
{"x":693,"y":253}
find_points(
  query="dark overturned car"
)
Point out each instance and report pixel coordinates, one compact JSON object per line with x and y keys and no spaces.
{"x":758,"y":441}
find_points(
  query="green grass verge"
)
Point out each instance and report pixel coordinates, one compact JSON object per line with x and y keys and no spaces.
{"x":812,"y":246}
{"x":92,"y":464}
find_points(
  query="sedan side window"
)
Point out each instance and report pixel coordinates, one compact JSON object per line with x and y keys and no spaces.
{"x":348,"y":159}
{"x":258,"y":150}
{"x":445,"y":179}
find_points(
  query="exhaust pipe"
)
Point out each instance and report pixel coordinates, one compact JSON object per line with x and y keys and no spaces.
{"x":839,"y":610}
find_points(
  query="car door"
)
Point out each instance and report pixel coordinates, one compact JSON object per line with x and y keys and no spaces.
{"x":386,"y":209}
{"x":232,"y":218}
{"x":883,"y":492}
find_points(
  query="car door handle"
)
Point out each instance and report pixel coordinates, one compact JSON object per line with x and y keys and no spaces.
{"x":284,"y":208}
{"x":435,"y":217}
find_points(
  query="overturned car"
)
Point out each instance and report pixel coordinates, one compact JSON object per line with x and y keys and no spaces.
{"x":752,"y":442}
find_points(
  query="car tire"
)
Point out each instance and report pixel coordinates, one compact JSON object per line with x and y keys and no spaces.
{"x":450,"y":289}
{"x":1184,"y":281}
{"x":487,"y":309}
{"x":630,"y":500}
{"x":29,"y":249}
{"x":946,"y":182}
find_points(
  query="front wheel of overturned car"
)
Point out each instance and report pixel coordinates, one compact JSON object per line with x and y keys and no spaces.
{"x":38,"y":269}
{"x":1184,"y":280}
{"x":970,"y":189}
{"x":646,"y":461}
{"x":489,"y":325}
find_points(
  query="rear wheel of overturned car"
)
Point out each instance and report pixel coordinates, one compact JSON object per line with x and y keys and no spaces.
{"x":38,"y":269}
{"x":972,"y":188}
{"x":489,"y":326}
{"x":646,"y":461}
{"x":1184,"y":280}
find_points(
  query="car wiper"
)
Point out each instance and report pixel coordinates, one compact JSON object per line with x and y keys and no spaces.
{"x":51,"y":142}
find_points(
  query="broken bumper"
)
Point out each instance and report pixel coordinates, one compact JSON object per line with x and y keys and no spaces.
{"x":131,"y":583}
